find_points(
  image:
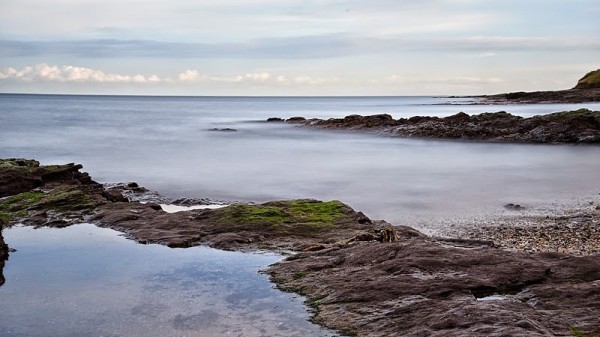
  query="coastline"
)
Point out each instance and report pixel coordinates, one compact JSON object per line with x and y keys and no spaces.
{"x":575,"y":95}
{"x":362,"y":277}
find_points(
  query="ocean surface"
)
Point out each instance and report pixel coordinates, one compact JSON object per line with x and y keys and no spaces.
{"x":88,"y":281}
{"x":165,"y":143}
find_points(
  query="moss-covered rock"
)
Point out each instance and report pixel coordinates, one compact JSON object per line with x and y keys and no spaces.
{"x":18,"y":175}
{"x":60,"y":200}
{"x":304,"y":217}
{"x":590,"y":80}
{"x":289,"y":224}
{"x":45,"y":194}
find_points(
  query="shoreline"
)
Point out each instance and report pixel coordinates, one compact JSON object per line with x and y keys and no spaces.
{"x":362,"y":277}
{"x":588,"y":95}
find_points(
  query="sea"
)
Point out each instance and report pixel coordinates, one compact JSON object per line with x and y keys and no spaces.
{"x":167,"y":144}
{"x":89,"y":281}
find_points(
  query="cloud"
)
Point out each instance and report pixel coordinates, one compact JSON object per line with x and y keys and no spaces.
{"x":53,"y":73}
{"x":193,"y":75}
{"x":189,"y":75}
{"x":72,"y":74}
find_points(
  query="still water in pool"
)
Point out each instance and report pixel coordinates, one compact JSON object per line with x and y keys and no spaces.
{"x":90,"y":281}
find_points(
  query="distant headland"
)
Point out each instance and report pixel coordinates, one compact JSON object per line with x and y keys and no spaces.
{"x":587,"y":90}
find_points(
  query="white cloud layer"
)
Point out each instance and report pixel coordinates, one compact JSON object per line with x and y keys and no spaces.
{"x":66,"y":73}
{"x":282,"y":47}
{"x":71,"y":74}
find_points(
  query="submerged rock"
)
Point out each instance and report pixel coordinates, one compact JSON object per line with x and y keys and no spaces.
{"x":514,"y":207}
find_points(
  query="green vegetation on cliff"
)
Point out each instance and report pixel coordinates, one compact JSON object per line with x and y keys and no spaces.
{"x":590,"y":80}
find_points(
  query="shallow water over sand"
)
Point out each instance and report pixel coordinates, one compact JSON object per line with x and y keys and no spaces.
{"x":89,"y":281}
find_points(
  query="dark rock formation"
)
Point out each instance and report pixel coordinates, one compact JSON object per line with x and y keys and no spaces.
{"x":425,"y":287}
{"x":587,"y":90}
{"x":296,"y":120}
{"x":22,"y":175}
{"x":3,"y":255}
{"x":294,"y":224}
{"x":581,"y":126}
{"x":514,"y":207}
{"x":47,"y":195}
{"x":561,"y":96}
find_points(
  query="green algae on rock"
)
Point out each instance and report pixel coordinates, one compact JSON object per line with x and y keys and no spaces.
{"x":287,"y":224}
{"x":305,"y":217}
{"x":61,"y":199}
{"x":19,"y":175}
{"x":61,"y":195}
{"x":45,"y":195}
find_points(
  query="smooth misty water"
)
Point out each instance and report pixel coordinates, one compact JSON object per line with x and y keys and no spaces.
{"x":164,"y":143}
{"x":89,"y":281}
{"x":83,"y":281}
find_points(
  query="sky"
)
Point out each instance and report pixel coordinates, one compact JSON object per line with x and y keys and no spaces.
{"x":296,"y":47}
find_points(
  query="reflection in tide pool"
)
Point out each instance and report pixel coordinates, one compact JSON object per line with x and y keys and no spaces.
{"x":89,"y":281}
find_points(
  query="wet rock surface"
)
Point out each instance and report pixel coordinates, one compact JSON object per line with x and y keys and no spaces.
{"x":279,"y":225}
{"x":420,"y":286}
{"x":362,"y":277}
{"x":22,"y":175}
{"x":3,"y":255}
{"x":580,"y":126}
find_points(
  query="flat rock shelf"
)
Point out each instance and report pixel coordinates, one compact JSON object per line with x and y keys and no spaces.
{"x":361,"y":277}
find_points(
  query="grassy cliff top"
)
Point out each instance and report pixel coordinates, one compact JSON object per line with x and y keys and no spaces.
{"x":590,"y":80}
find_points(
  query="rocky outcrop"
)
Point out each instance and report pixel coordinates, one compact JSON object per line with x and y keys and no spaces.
{"x":581,"y":126}
{"x":71,"y":197}
{"x":426,"y":287}
{"x":587,"y":90}
{"x":280,"y":225}
{"x":577,"y":95}
{"x":21,"y":175}
{"x":362,"y":277}
{"x":53,"y":195}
